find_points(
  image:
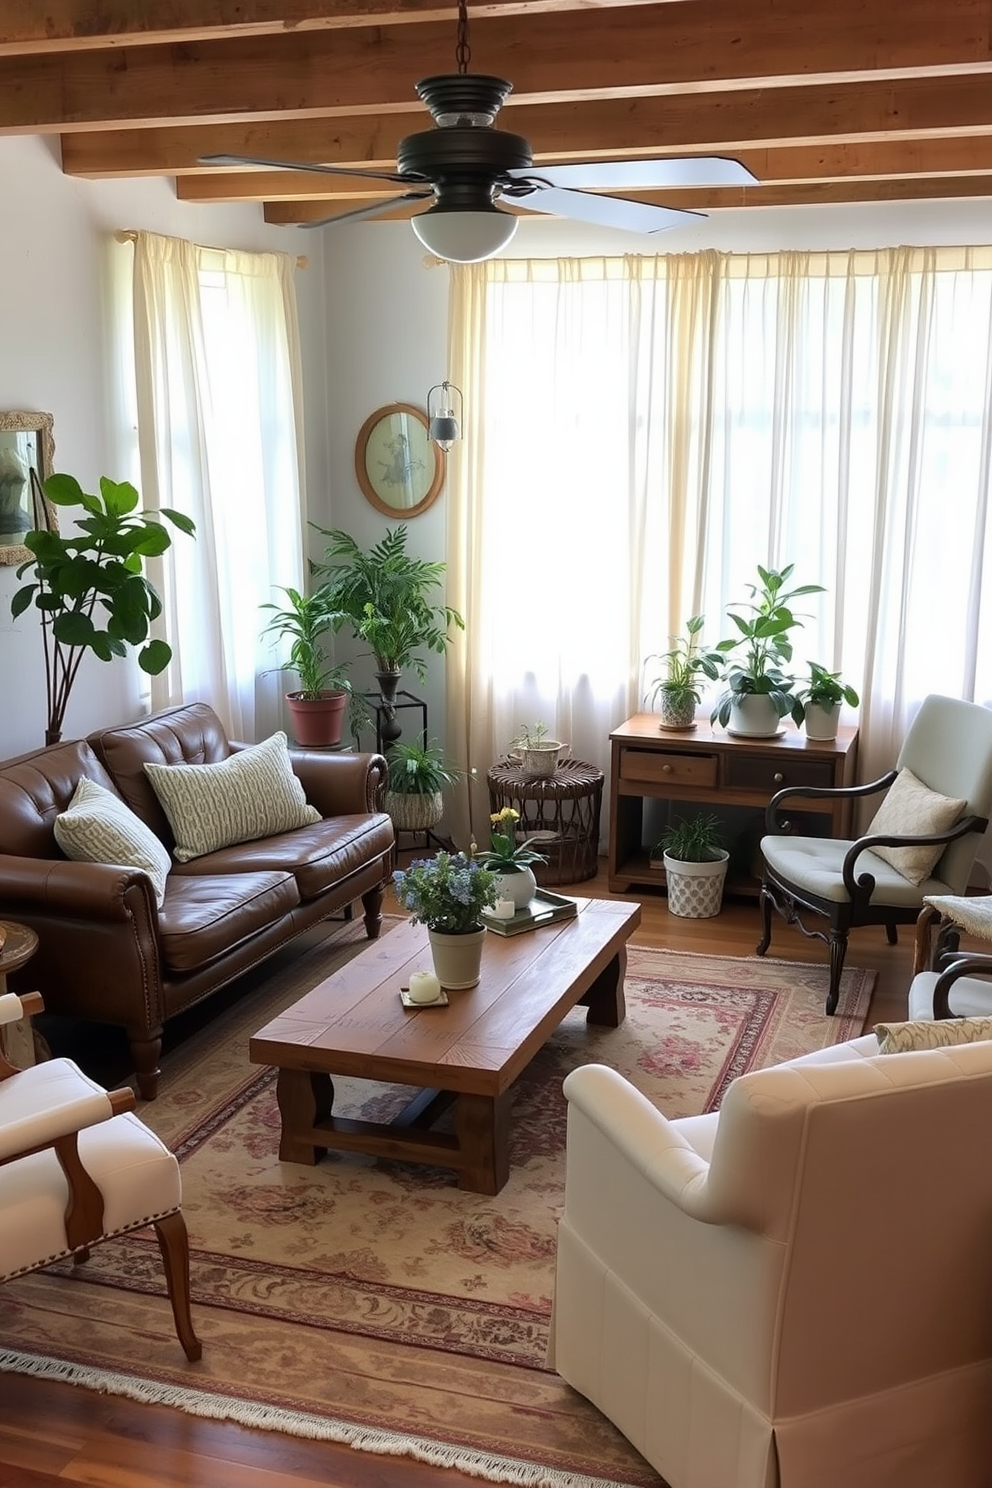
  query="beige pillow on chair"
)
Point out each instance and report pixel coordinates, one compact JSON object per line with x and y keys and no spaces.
{"x":911,"y":808}
{"x":252,"y":794}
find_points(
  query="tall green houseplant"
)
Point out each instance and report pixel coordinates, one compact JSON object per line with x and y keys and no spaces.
{"x":90,"y":587}
{"x":390,"y":599}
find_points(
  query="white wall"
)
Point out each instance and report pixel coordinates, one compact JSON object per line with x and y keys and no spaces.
{"x":56,"y":356}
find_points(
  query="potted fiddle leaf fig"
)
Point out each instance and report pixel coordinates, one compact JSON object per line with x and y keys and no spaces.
{"x":90,"y":586}
{"x":676,"y":690}
{"x":818,"y":702}
{"x":318,"y":706}
{"x":759,"y":692}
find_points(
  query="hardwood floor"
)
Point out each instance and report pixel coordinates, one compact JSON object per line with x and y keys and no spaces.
{"x":59,"y":1434}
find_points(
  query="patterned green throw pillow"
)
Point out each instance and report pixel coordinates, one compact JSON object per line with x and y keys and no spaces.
{"x":252,"y":794}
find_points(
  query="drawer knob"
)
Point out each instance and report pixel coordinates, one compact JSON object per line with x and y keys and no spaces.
{"x":778,"y":777}
{"x":666,"y":769}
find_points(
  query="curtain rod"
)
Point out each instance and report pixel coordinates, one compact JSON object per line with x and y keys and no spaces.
{"x":129,"y":235}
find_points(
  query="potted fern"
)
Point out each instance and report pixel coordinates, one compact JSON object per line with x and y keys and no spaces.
{"x":695,"y":862}
{"x":417,"y":775}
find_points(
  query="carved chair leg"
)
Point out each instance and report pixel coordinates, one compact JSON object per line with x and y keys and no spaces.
{"x":838,"y":950}
{"x":892,"y":934}
{"x":372,"y":902}
{"x":80,"y":1256}
{"x":767,"y":905}
{"x":173,"y":1242}
{"x":146,"y":1053}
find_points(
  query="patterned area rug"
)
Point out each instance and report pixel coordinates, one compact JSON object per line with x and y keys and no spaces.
{"x":373,"y":1302}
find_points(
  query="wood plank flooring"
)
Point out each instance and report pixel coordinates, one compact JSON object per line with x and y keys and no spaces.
{"x":58,"y":1434}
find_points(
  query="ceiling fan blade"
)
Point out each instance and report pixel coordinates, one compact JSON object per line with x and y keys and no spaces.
{"x":299,"y":165}
{"x":375,"y":210}
{"x":642,"y":175}
{"x":604,"y":211}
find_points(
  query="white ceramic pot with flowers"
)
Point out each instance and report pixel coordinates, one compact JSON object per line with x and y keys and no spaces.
{"x":448,"y":894}
{"x":511,"y":859}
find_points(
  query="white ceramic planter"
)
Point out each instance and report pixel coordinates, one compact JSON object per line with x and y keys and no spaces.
{"x":821,"y":723}
{"x":457,"y":958}
{"x":754,"y":715}
{"x":520,"y":886}
{"x":695,"y":890}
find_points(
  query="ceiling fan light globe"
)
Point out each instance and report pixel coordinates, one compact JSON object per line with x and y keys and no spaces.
{"x":464,"y":236}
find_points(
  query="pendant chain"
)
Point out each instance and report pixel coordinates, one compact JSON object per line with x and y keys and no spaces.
{"x":463,"y":52}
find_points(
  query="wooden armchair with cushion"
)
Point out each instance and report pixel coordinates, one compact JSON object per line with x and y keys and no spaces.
{"x":77,"y":1167}
{"x":921,"y":842}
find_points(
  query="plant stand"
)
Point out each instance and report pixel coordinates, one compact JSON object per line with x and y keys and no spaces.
{"x":383,"y":734}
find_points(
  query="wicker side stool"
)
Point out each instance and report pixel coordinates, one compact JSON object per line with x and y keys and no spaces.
{"x":564,"y":808}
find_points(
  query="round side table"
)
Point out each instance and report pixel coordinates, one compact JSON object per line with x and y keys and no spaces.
{"x":19,"y":945}
{"x":563,"y":808}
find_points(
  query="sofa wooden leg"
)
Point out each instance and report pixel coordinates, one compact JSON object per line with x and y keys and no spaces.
{"x":145,"y":1053}
{"x":173,"y":1242}
{"x":372,"y":902}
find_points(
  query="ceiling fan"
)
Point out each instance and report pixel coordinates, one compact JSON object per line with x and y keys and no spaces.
{"x":464,"y":166}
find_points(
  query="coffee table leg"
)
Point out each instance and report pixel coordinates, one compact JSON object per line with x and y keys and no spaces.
{"x":482,"y":1126}
{"x":605,"y":1000}
{"x":304,"y":1099}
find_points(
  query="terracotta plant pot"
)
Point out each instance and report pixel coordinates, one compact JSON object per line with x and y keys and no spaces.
{"x":317,"y":722}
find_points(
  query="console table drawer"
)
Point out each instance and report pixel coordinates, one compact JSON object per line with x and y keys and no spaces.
{"x":657,"y":768}
{"x":768,"y":775}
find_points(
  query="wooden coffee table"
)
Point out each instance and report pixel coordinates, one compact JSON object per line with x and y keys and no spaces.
{"x":468,"y":1053}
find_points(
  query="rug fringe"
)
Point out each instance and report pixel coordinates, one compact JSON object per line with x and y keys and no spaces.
{"x":299,"y":1423}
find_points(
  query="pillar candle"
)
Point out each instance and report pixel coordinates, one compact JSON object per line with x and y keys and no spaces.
{"x":424,"y":987}
{"x":505,"y":909}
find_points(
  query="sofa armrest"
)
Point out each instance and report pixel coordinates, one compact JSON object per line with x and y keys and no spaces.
{"x":341,"y":784}
{"x":52,"y":887}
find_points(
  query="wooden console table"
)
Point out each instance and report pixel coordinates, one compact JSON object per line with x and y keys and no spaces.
{"x":709,"y":768}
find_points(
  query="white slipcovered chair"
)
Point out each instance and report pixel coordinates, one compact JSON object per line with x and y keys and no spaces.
{"x":948,"y":749}
{"x":794,"y":1292}
{"x":77,"y":1167}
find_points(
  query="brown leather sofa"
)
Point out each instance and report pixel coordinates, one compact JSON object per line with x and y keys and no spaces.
{"x":106,"y":952}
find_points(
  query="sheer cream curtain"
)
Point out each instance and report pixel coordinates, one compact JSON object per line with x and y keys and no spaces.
{"x":642,"y":432}
{"x":219,"y":412}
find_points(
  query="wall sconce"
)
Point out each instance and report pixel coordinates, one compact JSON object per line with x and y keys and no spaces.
{"x":444,"y":413}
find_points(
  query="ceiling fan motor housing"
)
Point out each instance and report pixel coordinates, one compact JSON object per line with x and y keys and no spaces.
{"x":466,"y":166}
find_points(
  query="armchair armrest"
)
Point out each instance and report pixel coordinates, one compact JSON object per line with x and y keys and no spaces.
{"x":40,"y":1129}
{"x":645,"y":1137}
{"x":13,"y":1007}
{"x":866,"y":883}
{"x":974,"y":963}
{"x":833,"y":792}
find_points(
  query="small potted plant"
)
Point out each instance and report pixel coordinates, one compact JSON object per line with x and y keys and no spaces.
{"x":538,"y":755}
{"x":695,"y":861}
{"x":511,"y":859}
{"x":418,"y":774}
{"x":676,"y":690}
{"x":448,"y":893}
{"x":759,"y":692}
{"x":318,"y":707}
{"x":818,"y":702}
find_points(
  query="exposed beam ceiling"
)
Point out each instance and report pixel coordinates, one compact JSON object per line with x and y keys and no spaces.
{"x":858,"y":100}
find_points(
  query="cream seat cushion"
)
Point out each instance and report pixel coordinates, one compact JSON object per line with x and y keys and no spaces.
{"x":98,"y":827}
{"x":252,"y":794}
{"x":910,"y":808}
{"x":816,"y":865}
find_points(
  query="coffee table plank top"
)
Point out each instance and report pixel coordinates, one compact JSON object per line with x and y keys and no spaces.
{"x":353,"y":1023}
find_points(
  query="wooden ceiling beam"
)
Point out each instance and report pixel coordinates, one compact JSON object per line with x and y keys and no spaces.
{"x":76,"y":25}
{"x":641,"y":50}
{"x":807,"y":194}
{"x":753,"y":118}
{"x":897,"y":160}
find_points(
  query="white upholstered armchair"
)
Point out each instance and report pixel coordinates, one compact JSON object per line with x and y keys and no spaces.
{"x":794,"y":1292}
{"x":77,"y":1167}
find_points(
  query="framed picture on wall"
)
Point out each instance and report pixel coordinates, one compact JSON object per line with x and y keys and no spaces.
{"x":26,"y":445}
{"x":398,"y":468}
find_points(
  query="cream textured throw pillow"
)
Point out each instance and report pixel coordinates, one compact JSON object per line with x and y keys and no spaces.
{"x":252,"y":794}
{"x":911,"y":808}
{"x":97,"y":827}
{"x":928,"y":1033}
